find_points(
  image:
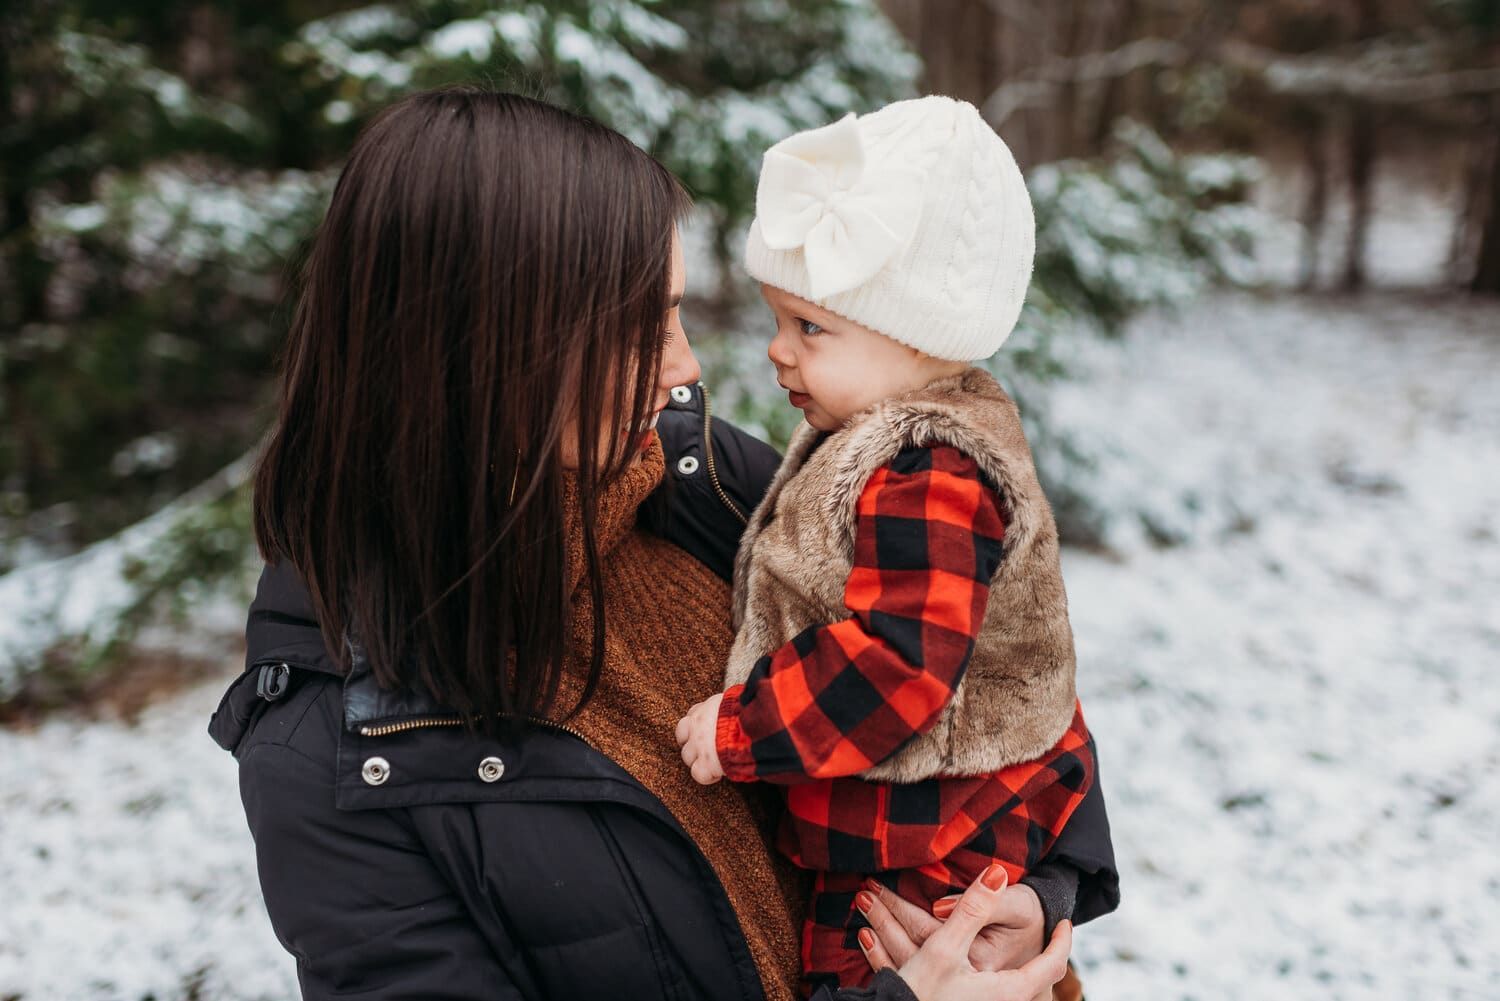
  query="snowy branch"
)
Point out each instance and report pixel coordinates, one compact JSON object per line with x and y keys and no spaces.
{"x":1354,"y":79}
{"x":84,"y":598}
{"x":1306,"y":77}
{"x":1031,"y":91}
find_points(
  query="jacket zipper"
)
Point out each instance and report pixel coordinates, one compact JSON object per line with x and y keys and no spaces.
{"x":401,"y":726}
{"x":427,"y":722}
{"x":708,"y":455}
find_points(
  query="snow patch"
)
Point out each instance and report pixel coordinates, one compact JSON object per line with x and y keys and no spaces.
{"x":129,"y":873}
{"x":1299,"y":733}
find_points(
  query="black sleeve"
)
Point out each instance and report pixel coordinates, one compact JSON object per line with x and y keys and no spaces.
{"x":352,"y":895}
{"x":1078,"y":879}
{"x":1056,"y":886}
{"x":713,"y":481}
{"x":887,"y":986}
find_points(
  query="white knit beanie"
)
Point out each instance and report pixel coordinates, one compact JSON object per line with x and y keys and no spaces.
{"x":912,"y":220}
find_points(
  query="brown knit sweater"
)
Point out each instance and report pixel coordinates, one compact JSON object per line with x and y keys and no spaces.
{"x":666,"y":640}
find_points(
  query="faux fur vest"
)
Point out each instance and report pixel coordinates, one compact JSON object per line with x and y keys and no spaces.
{"x":1017,"y":697}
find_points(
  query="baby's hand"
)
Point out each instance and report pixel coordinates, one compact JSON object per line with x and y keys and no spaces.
{"x":695,"y":735}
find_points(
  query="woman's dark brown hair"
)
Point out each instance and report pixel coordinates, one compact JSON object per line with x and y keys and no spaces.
{"x":490,"y":268}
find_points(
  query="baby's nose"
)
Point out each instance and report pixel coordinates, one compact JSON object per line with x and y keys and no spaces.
{"x":776,"y":351}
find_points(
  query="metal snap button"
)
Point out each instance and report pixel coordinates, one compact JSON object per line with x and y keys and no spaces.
{"x":687,"y":465}
{"x":682,"y":394}
{"x":491,"y":768}
{"x":375,"y":771}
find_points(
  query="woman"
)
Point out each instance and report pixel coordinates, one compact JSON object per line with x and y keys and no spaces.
{"x":481,"y":617}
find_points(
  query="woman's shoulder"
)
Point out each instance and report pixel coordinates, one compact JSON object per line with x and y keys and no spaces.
{"x":716,"y":475}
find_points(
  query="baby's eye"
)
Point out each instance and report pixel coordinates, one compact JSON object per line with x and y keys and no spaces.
{"x":808,"y":327}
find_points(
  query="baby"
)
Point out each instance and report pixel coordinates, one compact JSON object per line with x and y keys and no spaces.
{"x":903,"y":663}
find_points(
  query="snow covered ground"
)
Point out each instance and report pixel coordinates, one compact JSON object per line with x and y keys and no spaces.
{"x":1296,"y":710}
{"x":126,"y":871}
{"x":1297,"y":715}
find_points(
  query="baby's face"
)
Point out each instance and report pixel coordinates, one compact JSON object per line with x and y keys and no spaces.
{"x":832,"y":368}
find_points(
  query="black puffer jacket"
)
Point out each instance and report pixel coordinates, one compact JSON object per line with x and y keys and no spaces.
{"x":401,"y":858}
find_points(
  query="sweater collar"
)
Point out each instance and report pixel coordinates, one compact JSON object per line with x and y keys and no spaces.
{"x":618,"y":503}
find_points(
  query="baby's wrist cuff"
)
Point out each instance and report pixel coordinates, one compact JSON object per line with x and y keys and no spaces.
{"x":730,"y":739}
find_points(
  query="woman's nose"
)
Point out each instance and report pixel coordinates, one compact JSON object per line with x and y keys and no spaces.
{"x":679,"y":367}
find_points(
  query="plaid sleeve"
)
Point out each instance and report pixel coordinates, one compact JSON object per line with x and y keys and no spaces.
{"x":838,"y":699}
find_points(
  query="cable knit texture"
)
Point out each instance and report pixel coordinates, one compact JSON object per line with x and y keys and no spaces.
{"x":954,"y":286}
{"x":667,"y":637}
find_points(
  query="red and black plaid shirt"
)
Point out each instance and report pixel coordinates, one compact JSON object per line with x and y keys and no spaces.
{"x":838,"y":699}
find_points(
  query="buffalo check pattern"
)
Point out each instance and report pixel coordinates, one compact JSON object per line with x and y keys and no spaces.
{"x":838,"y":699}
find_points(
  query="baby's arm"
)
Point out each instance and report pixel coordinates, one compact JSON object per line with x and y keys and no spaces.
{"x":838,"y":699}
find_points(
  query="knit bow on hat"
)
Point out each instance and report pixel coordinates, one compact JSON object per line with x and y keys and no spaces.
{"x":817,"y":192}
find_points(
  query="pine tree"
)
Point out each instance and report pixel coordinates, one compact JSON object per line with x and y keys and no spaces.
{"x":162,"y":166}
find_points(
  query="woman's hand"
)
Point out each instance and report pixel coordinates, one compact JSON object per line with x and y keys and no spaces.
{"x":1013,"y":937}
{"x":695,"y":736}
{"x":938,"y":962}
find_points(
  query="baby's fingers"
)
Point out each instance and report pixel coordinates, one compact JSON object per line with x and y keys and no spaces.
{"x":684,"y":729}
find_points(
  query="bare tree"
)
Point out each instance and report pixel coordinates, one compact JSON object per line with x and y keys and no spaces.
{"x":1486,"y":276}
{"x":955,"y":39}
{"x":1360,"y":153}
{"x":1315,"y":203}
{"x":1055,"y":74}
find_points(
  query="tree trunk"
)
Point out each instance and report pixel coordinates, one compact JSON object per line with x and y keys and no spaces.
{"x":1315,"y":205}
{"x":1064,"y":110}
{"x":24,"y":272}
{"x":1361,"y":154}
{"x":1486,"y":276}
{"x":1463,"y":241}
{"x":955,"y":39}
{"x":1111,"y":94}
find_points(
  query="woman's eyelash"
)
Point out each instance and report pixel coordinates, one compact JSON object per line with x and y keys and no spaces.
{"x":808,"y":327}
{"x":667,"y":335}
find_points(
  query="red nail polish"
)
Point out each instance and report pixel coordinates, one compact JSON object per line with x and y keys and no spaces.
{"x":866,"y":939}
{"x":872,"y":885}
{"x":994,"y":877}
{"x":864,"y":902}
{"x":944,"y":907}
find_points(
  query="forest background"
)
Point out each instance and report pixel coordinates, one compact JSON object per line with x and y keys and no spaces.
{"x":1284,"y":207}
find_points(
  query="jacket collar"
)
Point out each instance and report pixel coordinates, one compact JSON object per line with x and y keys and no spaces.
{"x":282,"y":638}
